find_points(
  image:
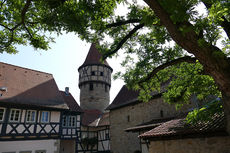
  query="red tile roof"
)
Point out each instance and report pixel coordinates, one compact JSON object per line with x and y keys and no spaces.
{"x":179,"y":127}
{"x":103,"y":120}
{"x":124,"y":98}
{"x":90,"y":116}
{"x":30,"y":87}
{"x":93,"y":57}
{"x":70,"y":101}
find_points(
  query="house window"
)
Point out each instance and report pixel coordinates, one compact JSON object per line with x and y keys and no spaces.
{"x":25,"y":151}
{"x":45,"y":116}
{"x":2,"y":112}
{"x":91,"y":86}
{"x":101,"y":73}
{"x":72,"y":121}
{"x":30,"y":116}
{"x":15,"y":115}
{"x":40,"y":151}
{"x":107,"y":136}
{"x":93,"y":73}
{"x":69,"y":121}
{"x":64,"y":121}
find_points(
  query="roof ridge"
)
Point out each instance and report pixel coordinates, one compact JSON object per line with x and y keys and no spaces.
{"x":27,"y":68}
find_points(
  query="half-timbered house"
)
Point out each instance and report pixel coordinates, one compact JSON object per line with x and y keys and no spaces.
{"x":35,"y":117}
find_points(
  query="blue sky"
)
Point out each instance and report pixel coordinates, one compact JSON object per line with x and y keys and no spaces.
{"x":62,"y":60}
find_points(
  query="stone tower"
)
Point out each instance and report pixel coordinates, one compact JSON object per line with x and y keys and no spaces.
{"x":94,"y":81}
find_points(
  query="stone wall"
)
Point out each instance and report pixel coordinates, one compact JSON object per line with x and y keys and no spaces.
{"x":129,"y":116}
{"x":194,"y":145}
{"x":98,"y":98}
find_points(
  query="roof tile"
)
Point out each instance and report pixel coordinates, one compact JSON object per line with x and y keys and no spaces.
{"x":177,"y":127}
{"x":90,"y":116}
{"x":70,"y":101}
{"x":26,"y":86}
{"x":93,"y":57}
{"x":123,"y":98}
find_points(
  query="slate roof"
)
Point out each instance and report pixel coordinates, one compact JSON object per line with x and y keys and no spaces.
{"x":177,"y":128}
{"x":124,"y":98}
{"x":90,"y":116}
{"x":103,"y":120}
{"x":70,"y":101}
{"x":29,"y":87}
{"x":94,"y":57}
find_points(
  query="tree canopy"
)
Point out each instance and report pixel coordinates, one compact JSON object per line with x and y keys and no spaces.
{"x":170,"y":40}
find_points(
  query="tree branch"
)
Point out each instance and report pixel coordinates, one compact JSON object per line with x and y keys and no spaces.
{"x":187,"y":59}
{"x":119,"y":23}
{"x":225,"y":24}
{"x":123,"y":41}
{"x":22,"y":22}
{"x":5,"y":27}
{"x":9,"y":42}
{"x":23,"y":14}
{"x":2,"y":3}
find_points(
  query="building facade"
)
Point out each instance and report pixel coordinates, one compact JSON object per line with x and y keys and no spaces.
{"x":35,"y":117}
{"x":126,"y":112}
{"x":176,"y":136}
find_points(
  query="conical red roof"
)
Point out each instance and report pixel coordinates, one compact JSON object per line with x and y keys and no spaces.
{"x":94,"y":57}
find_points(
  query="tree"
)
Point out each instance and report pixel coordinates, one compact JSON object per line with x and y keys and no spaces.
{"x":171,"y":40}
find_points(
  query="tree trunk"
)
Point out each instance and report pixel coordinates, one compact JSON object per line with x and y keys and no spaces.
{"x":214,"y":61}
{"x":226,"y":105}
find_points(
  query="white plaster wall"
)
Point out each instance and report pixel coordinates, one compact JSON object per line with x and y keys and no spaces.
{"x":23,"y":115}
{"x":105,"y":145}
{"x":16,"y":146}
{"x":39,"y":114}
{"x":55,"y":116}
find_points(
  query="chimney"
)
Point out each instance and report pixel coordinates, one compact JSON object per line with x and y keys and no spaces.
{"x":67,"y":90}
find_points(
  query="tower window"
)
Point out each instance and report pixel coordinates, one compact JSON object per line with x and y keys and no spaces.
{"x":101,"y":74}
{"x":162,"y":113}
{"x":93,"y":73}
{"x":90,"y":86}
